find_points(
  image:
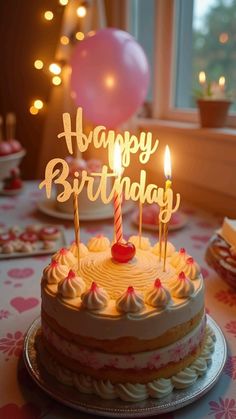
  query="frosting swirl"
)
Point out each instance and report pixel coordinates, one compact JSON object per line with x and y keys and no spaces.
{"x":72,"y":286}
{"x":178,"y":259}
{"x":104,"y":389}
{"x":98,"y":243}
{"x":65,"y":257}
{"x":95,"y":298}
{"x":132,"y":392}
{"x":199,"y":366}
{"x":144,"y":245}
{"x":191,"y":268}
{"x":160,"y":388}
{"x":55,"y":272}
{"x":157,"y":295}
{"x":83,"y":250}
{"x":180,"y":286}
{"x":184,"y":378}
{"x":130,"y":301}
{"x":170,"y":249}
{"x":83,"y":383}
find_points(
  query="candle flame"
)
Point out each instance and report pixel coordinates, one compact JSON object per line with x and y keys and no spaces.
{"x":167,"y":163}
{"x":222,"y":81}
{"x":202,"y":77}
{"x":117,"y":167}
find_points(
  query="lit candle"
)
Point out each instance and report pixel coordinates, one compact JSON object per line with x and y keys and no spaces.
{"x":77,"y":227}
{"x":168,"y":183}
{"x":202,"y":78}
{"x":222,"y":83}
{"x":117,"y":167}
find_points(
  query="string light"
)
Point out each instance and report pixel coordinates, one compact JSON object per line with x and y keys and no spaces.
{"x":33,"y":110}
{"x":79,"y":36}
{"x":64,"y":40}
{"x":55,"y":68}
{"x":56,"y":80}
{"x":91,"y":33}
{"x":48,"y":15}
{"x":38,"y":64}
{"x":63,"y":2}
{"x":81,"y":11}
{"x":224,"y":37}
{"x":38,"y":104}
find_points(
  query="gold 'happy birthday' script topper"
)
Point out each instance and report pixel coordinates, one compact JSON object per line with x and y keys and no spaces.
{"x":57,"y":169}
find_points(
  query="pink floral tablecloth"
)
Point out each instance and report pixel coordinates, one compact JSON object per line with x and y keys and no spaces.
{"x":20,"y":398}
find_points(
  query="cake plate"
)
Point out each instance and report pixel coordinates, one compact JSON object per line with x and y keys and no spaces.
{"x":118,"y":408}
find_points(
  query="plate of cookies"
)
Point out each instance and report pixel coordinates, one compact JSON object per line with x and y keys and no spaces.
{"x":19,"y":241}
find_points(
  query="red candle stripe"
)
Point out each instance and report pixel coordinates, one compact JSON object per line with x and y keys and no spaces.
{"x":118,"y":217}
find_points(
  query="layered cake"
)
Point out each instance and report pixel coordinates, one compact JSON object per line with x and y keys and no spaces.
{"x":124,"y":329}
{"x":86,"y":206}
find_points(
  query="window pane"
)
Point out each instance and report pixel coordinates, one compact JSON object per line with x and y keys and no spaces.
{"x":212,"y":49}
{"x":142,"y":28}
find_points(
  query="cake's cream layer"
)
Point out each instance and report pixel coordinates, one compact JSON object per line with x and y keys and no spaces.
{"x":116,"y":277}
{"x":132,"y":392}
{"x":109,"y":325}
{"x":138,"y":361}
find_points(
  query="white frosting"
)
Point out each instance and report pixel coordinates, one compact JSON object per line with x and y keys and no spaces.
{"x":180,"y":286}
{"x":72,"y":286}
{"x":95,"y":298}
{"x":157,"y":295}
{"x":170,"y":249}
{"x":130,"y":301}
{"x":98,"y":244}
{"x":65,"y":257}
{"x":190,"y":268}
{"x":153,"y":323}
{"x":178,"y":259}
{"x":83,"y":250}
{"x":126,"y":391}
{"x":144,"y":244}
{"x":55,"y":272}
{"x":26,"y":247}
{"x":8,"y":248}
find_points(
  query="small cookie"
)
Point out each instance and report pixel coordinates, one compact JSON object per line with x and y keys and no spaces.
{"x":28,"y":237}
{"x":7,"y":237}
{"x":49,"y":233}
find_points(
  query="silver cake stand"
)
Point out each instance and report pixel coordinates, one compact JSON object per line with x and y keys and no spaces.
{"x":117,"y":408}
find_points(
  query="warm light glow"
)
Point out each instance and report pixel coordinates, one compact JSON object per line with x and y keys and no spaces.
{"x":109,"y":81}
{"x":91,"y":33}
{"x":55,"y":68}
{"x":33,"y":110}
{"x":202,"y":77}
{"x":56,"y":80}
{"x":38,"y":104}
{"x":81,"y":11}
{"x":64,"y":40}
{"x":63,"y":2}
{"x":224,"y":37}
{"x":48,"y":15}
{"x":222,"y":81}
{"x":167,"y":163}
{"x":117,"y":167}
{"x":38,"y":64}
{"x":79,"y":36}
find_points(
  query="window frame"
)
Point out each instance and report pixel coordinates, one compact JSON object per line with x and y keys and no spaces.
{"x":164,"y":67}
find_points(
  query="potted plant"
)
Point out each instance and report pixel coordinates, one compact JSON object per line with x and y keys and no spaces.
{"x":213,"y":102}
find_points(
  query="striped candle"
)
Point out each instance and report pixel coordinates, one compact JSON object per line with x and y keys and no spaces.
{"x":118,"y":217}
{"x":76,"y":226}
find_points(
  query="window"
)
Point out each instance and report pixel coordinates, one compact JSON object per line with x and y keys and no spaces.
{"x":182,"y":38}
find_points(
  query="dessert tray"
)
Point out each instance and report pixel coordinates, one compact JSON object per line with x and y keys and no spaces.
{"x":48,"y":207}
{"x":117,"y":408}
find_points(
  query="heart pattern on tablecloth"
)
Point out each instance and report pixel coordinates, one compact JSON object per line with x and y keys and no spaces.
{"x":20,"y":273}
{"x":22,"y":304}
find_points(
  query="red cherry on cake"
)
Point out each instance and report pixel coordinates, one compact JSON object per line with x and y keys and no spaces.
{"x":182,"y":276}
{"x":7,"y":237}
{"x":5,"y":148}
{"x":157,"y":283}
{"x":28,"y":237}
{"x":123,"y":252}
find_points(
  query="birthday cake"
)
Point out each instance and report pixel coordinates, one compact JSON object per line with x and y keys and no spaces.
{"x":124,"y":329}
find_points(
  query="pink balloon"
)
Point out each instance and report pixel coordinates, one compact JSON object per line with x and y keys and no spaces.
{"x":110,"y":76}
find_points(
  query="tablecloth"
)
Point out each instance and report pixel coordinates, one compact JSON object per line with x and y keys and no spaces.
{"x":20,"y":398}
